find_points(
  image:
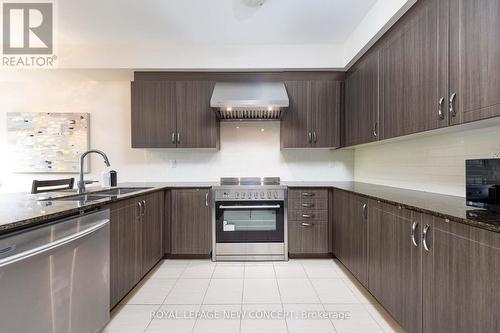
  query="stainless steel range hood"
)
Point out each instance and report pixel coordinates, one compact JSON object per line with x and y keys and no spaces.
{"x":249,"y":100}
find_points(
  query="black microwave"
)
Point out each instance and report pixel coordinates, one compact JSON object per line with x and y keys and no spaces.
{"x":482,"y":178}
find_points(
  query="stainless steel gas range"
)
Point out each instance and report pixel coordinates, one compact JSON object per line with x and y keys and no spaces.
{"x":250,"y":220}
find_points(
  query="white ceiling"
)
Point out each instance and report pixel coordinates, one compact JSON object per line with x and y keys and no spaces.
{"x":213,"y":22}
{"x":218,"y":34}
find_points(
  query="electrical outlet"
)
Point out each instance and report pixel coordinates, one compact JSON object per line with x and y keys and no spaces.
{"x":173,"y":164}
{"x":331,"y":164}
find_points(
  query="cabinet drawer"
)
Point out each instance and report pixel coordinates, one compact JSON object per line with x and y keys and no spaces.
{"x":308,"y":204}
{"x":308,"y":215}
{"x":308,"y":193}
{"x":307,"y":237}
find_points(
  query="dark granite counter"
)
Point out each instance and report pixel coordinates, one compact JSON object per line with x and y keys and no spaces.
{"x":448,"y":207}
{"x":20,"y":210}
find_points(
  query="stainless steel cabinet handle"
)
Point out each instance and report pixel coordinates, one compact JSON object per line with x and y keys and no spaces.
{"x":307,"y":194}
{"x":424,"y":237}
{"x":143,"y":207}
{"x":139,"y":205}
{"x":315,"y":137}
{"x":305,"y":224}
{"x":451,"y":105}
{"x":440,"y":108}
{"x":178,"y":137}
{"x":173,"y":138}
{"x":310,"y":137}
{"x":50,"y":246}
{"x":375,"y":126}
{"x":307,"y":216}
{"x":307,"y":205}
{"x":206,"y":199}
{"x":413,"y":230}
{"x":250,"y":207}
{"x":365,"y":212}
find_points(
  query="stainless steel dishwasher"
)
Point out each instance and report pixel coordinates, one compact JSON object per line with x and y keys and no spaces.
{"x":55,"y":278}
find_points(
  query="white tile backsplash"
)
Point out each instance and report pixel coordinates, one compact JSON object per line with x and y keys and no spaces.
{"x":435,"y":163}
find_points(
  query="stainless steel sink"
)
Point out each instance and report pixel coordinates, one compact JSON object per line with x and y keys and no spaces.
{"x":120,"y":191}
{"x":79,"y":197}
{"x":98,"y":195}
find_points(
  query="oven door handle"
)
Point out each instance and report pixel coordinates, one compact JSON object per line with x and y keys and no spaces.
{"x":250,"y":207}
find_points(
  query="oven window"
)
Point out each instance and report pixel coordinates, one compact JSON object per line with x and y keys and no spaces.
{"x":249,"y":220}
{"x":260,"y":222}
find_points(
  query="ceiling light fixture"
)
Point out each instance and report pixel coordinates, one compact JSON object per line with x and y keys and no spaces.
{"x":253,"y":3}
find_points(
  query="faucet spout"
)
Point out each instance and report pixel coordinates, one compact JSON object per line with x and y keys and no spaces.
{"x":81,"y":182}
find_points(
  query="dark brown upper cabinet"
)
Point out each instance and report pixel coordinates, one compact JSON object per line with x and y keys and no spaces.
{"x":411,"y":97}
{"x":361,"y":101}
{"x":154,"y":113}
{"x":474,"y":60}
{"x":313,"y":117}
{"x":173,"y":114}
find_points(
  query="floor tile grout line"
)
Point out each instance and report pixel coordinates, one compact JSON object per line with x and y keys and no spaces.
{"x":165,"y":298}
{"x":363,"y":305}
{"x":242,"y":295}
{"x":319,"y":299}
{"x":204,"y":295}
{"x":281,"y":299}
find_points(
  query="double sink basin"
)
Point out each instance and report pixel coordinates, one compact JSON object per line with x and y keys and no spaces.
{"x":98,"y":195}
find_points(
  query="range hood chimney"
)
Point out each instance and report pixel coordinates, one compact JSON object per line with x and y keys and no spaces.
{"x":249,"y":100}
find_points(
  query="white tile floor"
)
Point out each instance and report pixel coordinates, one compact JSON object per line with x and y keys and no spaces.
{"x":312,"y":296}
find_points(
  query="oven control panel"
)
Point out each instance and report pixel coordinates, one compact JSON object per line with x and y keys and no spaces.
{"x":249,"y":194}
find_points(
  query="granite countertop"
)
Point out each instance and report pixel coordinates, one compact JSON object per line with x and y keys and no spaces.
{"x":448,"y":207}
{"x":20,"y":210}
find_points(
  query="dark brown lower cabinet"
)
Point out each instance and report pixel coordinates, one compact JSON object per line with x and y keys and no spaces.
{"x":191,"y":224}
{"x":448,"y":296}
{"x":431,"y":274}
{"x":394,"y":263}
{"x":136,"y":241}
{"x":307,"y":237}
{"x":152,"y":230}
{"x":126,"y":251}
{"x":350,"y":226}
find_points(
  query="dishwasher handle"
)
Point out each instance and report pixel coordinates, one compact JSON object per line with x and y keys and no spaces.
{"x":52,"y":245}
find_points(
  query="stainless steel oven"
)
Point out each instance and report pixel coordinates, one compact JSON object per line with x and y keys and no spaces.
{"x":249,"y":222}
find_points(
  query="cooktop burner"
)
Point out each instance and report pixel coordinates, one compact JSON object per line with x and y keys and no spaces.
{"x":250,"y":181}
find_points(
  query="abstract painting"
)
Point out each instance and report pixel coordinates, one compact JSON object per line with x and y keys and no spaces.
{"x":47,"y":142}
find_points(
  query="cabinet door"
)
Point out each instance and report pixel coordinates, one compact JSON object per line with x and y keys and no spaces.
{"x":197,"y":124}
{"x":410,"y":73}
{"x":361,"y":101}
{"x":325,"y":113}
{"x":191,"y":221}
{"x":295,"y":128}
{"x":485,"y":278}
{"x":124,"y":252}
{"x":447,"y":302}
{"x":394,"y":267}
{"x":152,"y":230}
{"x":310,"y":237}
{"x":340,"y":224}
{"x":475,"y":59}
{"x":357,"y":247}
{"x":153,"y":114}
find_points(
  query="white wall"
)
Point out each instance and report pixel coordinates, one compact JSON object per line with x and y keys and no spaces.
{"x":434,"y":164}
{"x":375,"y":23}
{"x":245,"y":151}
